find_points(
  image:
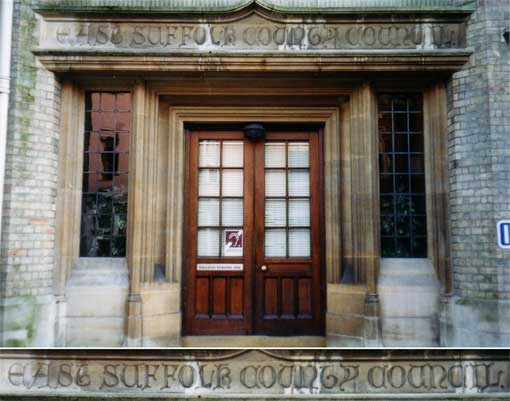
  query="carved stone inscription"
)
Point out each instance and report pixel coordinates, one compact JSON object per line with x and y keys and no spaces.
{"x":253,"y":372}
{"x":250,"y":34}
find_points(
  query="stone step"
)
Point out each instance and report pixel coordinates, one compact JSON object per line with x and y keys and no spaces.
{"x":409,"y":302}
{"x":96,"y":295}
{"x":94,"y":332}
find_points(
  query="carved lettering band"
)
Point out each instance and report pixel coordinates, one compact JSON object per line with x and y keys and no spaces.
{"x":240,"y":376}
{"x":251,"y":34}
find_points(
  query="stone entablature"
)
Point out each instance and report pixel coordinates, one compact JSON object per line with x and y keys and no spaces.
{"x":82,"y":38}
{"x":257,"y":374}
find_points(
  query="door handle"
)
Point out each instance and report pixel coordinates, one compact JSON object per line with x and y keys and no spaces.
{"x":263,"y":268}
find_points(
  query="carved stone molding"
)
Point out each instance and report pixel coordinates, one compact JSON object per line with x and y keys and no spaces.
{"x":232,"y":374}
{"x":251,"y":40}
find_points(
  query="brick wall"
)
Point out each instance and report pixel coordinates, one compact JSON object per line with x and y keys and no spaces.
{"x":479,"y":152}
{"x":478,"y":313}
{"x":28,"y":239}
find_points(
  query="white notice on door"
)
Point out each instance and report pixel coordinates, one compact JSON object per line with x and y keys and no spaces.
{"x":219,"y":267}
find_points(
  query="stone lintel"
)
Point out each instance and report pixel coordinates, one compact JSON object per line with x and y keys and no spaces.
{"x":263,"y":374}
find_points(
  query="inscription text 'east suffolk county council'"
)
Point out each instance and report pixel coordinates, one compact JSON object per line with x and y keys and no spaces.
{"x":251,"y":35}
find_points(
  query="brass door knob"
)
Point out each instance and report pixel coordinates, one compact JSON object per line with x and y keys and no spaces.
{"x":263,"y":268}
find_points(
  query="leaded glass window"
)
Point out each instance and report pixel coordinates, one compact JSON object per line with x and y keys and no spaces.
{"x":105,"y":174}
{"x":402,"y":176}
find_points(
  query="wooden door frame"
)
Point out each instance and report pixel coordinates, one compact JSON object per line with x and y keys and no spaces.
{"x":327,"y":116}
{"x":190,"y":229}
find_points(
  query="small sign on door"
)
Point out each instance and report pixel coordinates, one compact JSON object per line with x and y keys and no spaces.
{"x":203,"y":267}
{"x":503,"y":229}
{"x":233,"y":243}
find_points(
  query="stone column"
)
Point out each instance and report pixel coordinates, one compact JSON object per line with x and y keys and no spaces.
{"x":353,"y":308}
{"x":68,"y":196}
{"x":136,"y":217}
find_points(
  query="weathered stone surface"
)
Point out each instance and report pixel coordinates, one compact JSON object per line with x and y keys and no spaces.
{"x":96,"y":295}
{"x":255,"y":373}
{"x":251,"y":34}
{"x":409,"y":297}
{"x":288,"y":6}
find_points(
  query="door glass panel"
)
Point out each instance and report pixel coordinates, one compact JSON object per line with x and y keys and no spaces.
{"x":299,"y":183}
{"x":299,"y":242}
{"x":299,"y":212}
{"x":217,"y":209}
{"x":233,"y":154}
{"x":298,"y":154}
{"x":232,"y":212}
{"x":209,"y":154}
{"x":275,"y":183}
{"x":293,"y":210}
{"x":209,"y":182}
{"x":208,"y":242}
{"x":232,"y":184}
{"x":275,"y":243}
{"x":276,"y":213}
{"x":275,"y":154}
{"x":208,"y":212}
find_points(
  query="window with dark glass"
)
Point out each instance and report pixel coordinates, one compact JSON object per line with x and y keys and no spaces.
{"x":402,"y":176}
{"x":105,"y":174}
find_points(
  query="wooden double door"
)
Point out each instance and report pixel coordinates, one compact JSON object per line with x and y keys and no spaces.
{"x":253,"y":234}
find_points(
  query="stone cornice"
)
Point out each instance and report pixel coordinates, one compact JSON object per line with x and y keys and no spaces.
{"x":281,"y":6}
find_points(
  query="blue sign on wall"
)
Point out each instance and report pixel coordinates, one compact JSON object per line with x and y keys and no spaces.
{"x":504,"y":234}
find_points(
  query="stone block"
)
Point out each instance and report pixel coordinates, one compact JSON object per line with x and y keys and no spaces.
{"x":94,"y":332}
{"x":344,"y":341}
{"x":346,"y":299}
{"x":347,"y":325}
{"x":96,"y":301}
{"x":161,"y":330}
{"x":96,"y":292}
{"x":409,"y":302}
{"x":409,"y":332}
{"x":161,"y":298}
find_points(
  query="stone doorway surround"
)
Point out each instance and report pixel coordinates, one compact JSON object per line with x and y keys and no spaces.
{"x":156,"y":203}
{"x":171,"y":88}
{"x":177,"y":118}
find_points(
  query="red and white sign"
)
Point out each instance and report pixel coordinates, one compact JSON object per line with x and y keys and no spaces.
{"x":233,"y":243}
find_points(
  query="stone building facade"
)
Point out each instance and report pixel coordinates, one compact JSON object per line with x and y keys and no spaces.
{"x":424,"y":269}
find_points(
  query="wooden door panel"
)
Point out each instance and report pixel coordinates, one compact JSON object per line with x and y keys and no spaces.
{"x":289,"y":287}
{"x":217,"y":301}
